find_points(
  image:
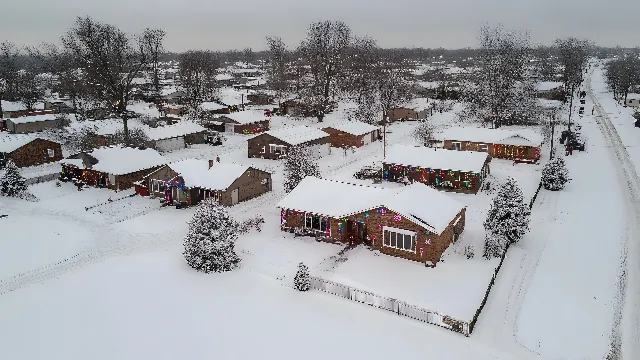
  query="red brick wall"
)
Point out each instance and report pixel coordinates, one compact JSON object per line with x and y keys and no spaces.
{"x":35,"y":153}
{"x":342,"y":139}
{"x":509,"y":152}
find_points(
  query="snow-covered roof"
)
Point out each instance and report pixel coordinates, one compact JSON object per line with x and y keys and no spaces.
{"x":424,"y":157}
{"x":211,"y":106}
{"x":222,"y":77}
{"x":118,"y":160}
{"x":410,"y":202}
{"x":176,"y":130}
{"x":549,"y":104}
{"x":295,"y":135}
{"x":10,"y":143}
{"x":196,"y":173}
{"x":33,"y":118}
{"x":354,"y":127}
{"x":419,"y":103}
{"x":230,"y":96}
{"x":524,"y":137}
{"x":18,"y":106}
{"x":548,"y":85}
{"x":246,"y":116}
{"x":310,"y":196}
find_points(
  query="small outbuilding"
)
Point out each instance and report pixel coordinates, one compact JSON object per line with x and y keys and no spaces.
{"x":273,"y":144}
{"x":352,"y":134}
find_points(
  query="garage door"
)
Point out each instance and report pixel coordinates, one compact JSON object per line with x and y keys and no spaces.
{"x":172,"y":144}
{"x":318,"y":151}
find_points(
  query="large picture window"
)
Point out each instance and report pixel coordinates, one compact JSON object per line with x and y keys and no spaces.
{"x":316,"y":222}
{"x":399,"y":239}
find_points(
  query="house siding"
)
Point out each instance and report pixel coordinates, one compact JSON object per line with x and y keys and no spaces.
{"x":255,"y":146}
{"x":126,"y":181}
{"x":249,"y":186}
{"x":31,"y":127}
{"x":195,"y":138}
{"x":433,"y":245}
{"x":435,"y":177}
{"x":498,"y":151}
{"x":341,"y":139}
{"x":401,"y":114}
{"x":35,"y":153}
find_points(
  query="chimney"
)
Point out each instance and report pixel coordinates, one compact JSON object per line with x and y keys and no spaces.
{"x":210,"y":164}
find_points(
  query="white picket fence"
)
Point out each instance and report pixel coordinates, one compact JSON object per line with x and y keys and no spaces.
{"x":42,"y":178}
{"x":397,"y":306}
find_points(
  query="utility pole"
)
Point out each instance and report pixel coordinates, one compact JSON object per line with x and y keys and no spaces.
{"x":553,"y":127}
{"x":573,"y":88}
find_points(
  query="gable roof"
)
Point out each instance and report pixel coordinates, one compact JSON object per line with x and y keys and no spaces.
{"x":494,"y":136}
{"x":11,"y":143}
{"x":118,"y":160}
{"x":354,"y":127}
{"x":442,"y":159}
{"x":32,"y":118}
{"x":311,"y":196}
{"x":295,"y":135}
{"x":176,"y":130}
{"x":246,"y":116}
{"x":196,"y":173}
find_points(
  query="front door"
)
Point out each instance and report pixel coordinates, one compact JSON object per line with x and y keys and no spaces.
{"x":234,"y":196}
{"x":362,"y":232}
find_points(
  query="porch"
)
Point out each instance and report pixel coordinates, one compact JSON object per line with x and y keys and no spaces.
{"x":346,"y":230}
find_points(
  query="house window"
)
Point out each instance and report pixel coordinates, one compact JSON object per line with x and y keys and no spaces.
{"x":51,"y":153}
{"x":157,"y":186}
{"x":316,"y":222}
{"x":264,"y":149}
{"x":399,"y":239}
{"x":483,"y":147}
{"x":456,"y":146}
{"x":272,"y":148}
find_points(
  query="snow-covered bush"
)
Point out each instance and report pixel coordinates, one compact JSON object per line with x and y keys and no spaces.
{"x":507,"y":219}
{"x":302,"y":281}
{"x":555,"y":174}
{"x":11,"y":182}
{"x":468,"y":251}
{"x":423,"y":133}
{"x":209,"y":245}
{"x":255,"y":222}
{"x":298,"y":164}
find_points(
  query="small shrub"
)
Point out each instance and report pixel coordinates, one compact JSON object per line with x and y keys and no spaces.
{"x":302,"y":281}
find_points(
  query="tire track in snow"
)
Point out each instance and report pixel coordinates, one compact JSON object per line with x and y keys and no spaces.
{"x":498,"y":322}
{"x":625,"y":333}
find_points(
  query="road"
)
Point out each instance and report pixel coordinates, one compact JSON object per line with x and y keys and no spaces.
{"x":625,"y":335}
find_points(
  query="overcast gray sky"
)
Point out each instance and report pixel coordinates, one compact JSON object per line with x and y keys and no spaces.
{"x":219,"y":25}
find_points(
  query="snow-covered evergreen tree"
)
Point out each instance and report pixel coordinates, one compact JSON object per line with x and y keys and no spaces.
{"x":298,"y":164}
{"x":555,"y":174}
{"x":507,"y":220}
{"x":210,"y":241}
{"x":302,"y":281}
{"x":12,"y":183}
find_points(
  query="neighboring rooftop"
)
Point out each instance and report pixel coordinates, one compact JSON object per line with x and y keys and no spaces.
{"x":354,"y":127}
{"x":295,"y":135}
{"x":33,"y":118}
{"x":247,"y":116}
{"x":433,"y":158}
{"x":196,"y":173}
{"x":524,"y":137}
{"x":11,"y":143}
{"x":119,"y":160}
{"x":176,"y":130}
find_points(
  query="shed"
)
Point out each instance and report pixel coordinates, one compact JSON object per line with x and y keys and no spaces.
{"x":273,"y":144}
{"x":352,"y":134}
{"x":31,"y":124}
{"x":176,"y":136}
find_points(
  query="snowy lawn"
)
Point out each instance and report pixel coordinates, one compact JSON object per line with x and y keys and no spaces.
{"x":28,"y":241}
{"x":568,"y":309}
{"x":153,"y":306}
{"x":455,"y":287}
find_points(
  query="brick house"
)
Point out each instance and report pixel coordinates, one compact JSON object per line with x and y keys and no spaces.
{"x":188,"y":182}
{"x":176,"y":136}
{"x":352,"y":134}
{"x":522,"y":144}
{"x":32,"y":123}
{"x":403,"y":113}
{"x":245,"y":122}
{"x":449,"y":170}
{"x":25,"y":150}
{"x":416,"y":222}
{"x":115,"y":167}
{"x":273,"y":144}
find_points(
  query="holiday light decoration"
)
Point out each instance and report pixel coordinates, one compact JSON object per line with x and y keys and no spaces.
{"x":421,"y":251}
{"x":428,"y":241}
{"x":283,"y":217}
{"x":397,"y":218}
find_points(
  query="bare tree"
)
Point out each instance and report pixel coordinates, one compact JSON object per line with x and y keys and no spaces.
{"x":8,"y":71}
{"x":152,"y":41}
{"x":544,"y":66}
{"x":324,"y":53}
{"x":248,"y":56}
{"x":394,"y":85}
{"x":136,"y":138}
{"x":423,"y":133}
{"x":198,"y":71}
{"x":623,"y":74}
{"x":30,"y":88}
{"x":362,"y":80}
{"x":277,"y":67}
{"x":573,"y":55}
{"x":495,"y":90}
{"x":109,"y":59}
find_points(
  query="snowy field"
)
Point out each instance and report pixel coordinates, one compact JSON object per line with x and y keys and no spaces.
{"x":568,"y":309}
{"x":455,"y":287}
{"x":153,"y":306}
